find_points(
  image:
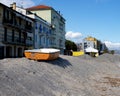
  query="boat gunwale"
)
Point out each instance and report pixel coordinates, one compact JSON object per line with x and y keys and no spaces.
{"x":42,"y":52}
{"x":47,"y":51}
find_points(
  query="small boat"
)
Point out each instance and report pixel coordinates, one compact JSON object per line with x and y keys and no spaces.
{"x":42,"y":54}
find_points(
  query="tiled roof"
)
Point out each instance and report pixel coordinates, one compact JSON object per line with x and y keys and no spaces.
{"x":39,"y":7}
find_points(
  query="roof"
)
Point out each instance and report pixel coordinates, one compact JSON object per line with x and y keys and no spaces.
{"x":42,"y":7}
{"x":89,"y":38}
{"x":39,"y":7}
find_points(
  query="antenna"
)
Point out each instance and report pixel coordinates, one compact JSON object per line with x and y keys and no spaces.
{"x":21,"y":3}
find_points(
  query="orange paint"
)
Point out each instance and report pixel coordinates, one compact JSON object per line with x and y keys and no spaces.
{"x":41,"y":56}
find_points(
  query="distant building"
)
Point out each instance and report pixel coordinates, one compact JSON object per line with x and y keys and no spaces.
{"x":57,"y":23}
{"x":93,"y":42}
{"x":87,"y":44}
{"x":15,"y":32}
{"x":89,"y":41}
{"x":79,"y":46}
{"x":103,"y":47}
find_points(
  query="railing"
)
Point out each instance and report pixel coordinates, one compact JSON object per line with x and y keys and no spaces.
{"x":14,"y":41}
{"x":16,"y":25}
{"x":42,"y":33}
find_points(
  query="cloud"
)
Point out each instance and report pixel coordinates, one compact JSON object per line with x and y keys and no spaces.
{"x":112,"y":45}
{"x":74,"y":36}
{"x":23,"y":3}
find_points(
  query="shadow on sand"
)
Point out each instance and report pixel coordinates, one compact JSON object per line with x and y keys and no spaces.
{"x":60,"y":62}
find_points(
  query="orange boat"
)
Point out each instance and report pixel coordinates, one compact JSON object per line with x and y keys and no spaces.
{"x":42,"y":54}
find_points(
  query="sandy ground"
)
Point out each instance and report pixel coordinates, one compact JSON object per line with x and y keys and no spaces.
{"x":66,"y":76}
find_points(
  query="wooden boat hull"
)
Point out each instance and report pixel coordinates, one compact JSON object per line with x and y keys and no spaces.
{"x":41,"y":55}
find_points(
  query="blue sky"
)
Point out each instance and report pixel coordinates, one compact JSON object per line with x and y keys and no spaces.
{"x":97,"y":18}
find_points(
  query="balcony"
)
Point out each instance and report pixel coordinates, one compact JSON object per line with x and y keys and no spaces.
{"x":7,"y":22}
{"x":53,"y":45}
{"x":42,"y":34}
{"x":48,"y":35}
{"x":54,"y":33}
{"x":15,"y":41}
{"x":13,"y":23}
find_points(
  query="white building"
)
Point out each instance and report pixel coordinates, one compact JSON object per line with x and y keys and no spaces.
{"x":42,"y":30}
{"x":42,"y":35}
{"x":56,"y":20}
{"x":87,"y":44}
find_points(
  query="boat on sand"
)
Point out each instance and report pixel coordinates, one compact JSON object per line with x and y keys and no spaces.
{"x":42,"y":54}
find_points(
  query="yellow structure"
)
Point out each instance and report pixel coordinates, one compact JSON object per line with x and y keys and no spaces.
{"x":78,"y":53}
{"x":96,"y":55}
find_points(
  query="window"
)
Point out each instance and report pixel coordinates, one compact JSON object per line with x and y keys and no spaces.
{"x":85,"y":45}
{"x":40,"y":40}
{"x":47,"y":42}
{"x":61,"y":26}
{"x":49,"y":31}
{"x":7,"y":14}
{"x":44,"y":29}
{"x":36,"y":25}
{"x":35,"y":38}
{"x":5,"y":34}
{"x":44,"y":40}
{"x":40,"y":28}
{"x":11,"y":20}
{"x":19,"y":36}
{"x":19,"y":21}
{"x":30,"y":38}
{"x":14,"y":19}
{"x":13,"y":34}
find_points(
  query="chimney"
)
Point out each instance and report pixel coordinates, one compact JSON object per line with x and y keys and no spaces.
{"x":13,"y":6}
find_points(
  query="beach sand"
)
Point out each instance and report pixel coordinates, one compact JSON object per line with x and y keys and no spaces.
{"x":65,"y":76}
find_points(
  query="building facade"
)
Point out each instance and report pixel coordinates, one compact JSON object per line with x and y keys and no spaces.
{"x":57,"y":24}
{"x":91,"y":42}
{"x":95,"y":43}
{"x":42,"y":35}
{"x":42,"y":30}
{"x":15,"y":32}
